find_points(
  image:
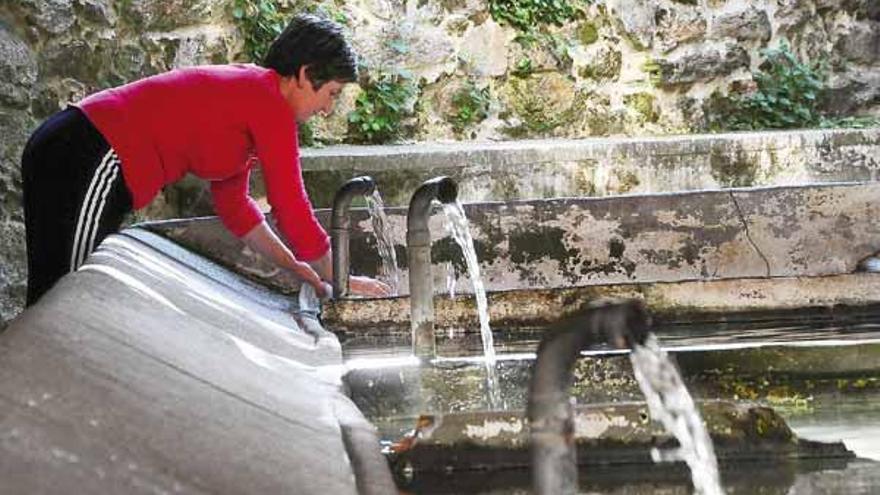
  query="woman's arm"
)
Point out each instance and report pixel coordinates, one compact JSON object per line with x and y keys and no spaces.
{"x":264,"y":241}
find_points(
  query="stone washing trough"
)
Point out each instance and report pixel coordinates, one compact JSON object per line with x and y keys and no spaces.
{"x":722,"y":255}
{"x":197,"y":379}
{"x":706,"y":252}
{"x":153,"y":369}
{"x":163,"y":367}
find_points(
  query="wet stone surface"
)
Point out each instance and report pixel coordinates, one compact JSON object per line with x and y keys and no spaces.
{"x":603,"y":435}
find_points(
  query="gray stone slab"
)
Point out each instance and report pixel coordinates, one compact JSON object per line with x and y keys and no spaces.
{"x":604,"y":434}
{"x":138,"y":374}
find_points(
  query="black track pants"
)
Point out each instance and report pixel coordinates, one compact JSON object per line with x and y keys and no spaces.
{"x":74,"y":196}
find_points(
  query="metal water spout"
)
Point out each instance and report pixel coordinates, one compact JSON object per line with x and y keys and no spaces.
{"x":418,"y":249}
{"x":554,"y":463}
{"x":340,"y":230}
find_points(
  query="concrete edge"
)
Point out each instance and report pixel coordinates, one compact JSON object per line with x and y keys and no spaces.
{"x":428,"y":155}
{"x":371,"y":470}
{"x":537,"y":309}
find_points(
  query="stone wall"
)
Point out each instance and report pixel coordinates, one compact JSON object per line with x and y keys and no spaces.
{"x":630,"y":67}
{"x":620,"y":67}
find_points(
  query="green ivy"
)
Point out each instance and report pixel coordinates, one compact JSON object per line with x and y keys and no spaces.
{"x":523,"y":68}
{"x":471,"y":106}
{"x":337,"y":15}
{"x":525,"y":15}
{"x":380,"y":108}
{"x":787,"y":94}
{"x":852,"y":122}
{"x":259,"y":22}
{"x":306,"y":135}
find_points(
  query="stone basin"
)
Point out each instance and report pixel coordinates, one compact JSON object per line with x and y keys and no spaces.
{"x":605,"y":435}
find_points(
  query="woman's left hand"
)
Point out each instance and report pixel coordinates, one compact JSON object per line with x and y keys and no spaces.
{"x":366,"y":286}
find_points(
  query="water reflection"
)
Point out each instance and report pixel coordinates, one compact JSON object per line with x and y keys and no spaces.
{"x":851,"y":418}
{"x":849,"y":329}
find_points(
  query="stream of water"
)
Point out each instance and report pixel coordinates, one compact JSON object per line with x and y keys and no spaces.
{"x":460,"y":229}
{"x":389,"y":271}
{"x":670,"y":403}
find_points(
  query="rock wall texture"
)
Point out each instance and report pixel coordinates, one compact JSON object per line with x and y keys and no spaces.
{"x":618,"y":67}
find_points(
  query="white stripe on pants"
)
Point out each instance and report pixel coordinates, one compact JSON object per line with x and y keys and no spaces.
{"x":91,"y":209}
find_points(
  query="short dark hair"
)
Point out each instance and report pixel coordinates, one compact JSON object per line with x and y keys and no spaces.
{"x":317,"y":43}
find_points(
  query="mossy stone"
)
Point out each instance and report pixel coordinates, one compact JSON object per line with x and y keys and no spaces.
{"x":542,"y":103}
{"x":736,"y":170}
{"x":606,"y":66}
{"x":627,"y":179}
{"x":643,"y":104}
{"x":588,"y":33}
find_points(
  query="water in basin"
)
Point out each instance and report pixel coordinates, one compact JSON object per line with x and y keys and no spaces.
{"x":824,"y":414}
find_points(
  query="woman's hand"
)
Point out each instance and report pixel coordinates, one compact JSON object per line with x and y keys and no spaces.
{"x":366,"y":286}
{"x":310,"y":276}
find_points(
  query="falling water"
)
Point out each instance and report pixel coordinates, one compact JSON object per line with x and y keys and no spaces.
{"x":389,"y":271}
{"x":450,"y":277}
{"x":461,"y":233}
{"x":670,"y":403}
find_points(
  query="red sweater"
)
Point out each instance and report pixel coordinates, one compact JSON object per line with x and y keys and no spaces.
{"x":210,"y":121}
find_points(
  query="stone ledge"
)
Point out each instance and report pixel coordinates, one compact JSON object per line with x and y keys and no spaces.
{"x":507,"y":170}
{"x":604,"y":435}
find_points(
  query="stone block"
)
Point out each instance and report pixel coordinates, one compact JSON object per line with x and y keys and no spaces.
{"x":416,"y":41}
{"x":52,"y":16}
{"x":167,"y":15}
{"x":849,"y":91}
{"x":539,"y":104}
{"x":749,"y":24}
{"x":18,"y":70}
{"x":702,"y":63}
{"x":485,"y":49}
{"x":599,"y":62}
{"x":677,"y":24}
{"x":637,"y":21}
{"x":861,"y":44}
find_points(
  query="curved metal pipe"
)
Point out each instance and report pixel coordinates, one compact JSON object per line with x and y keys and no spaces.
{"x":418,"y":249}
{"x":340,"y":230}
{"x":554,"y":463}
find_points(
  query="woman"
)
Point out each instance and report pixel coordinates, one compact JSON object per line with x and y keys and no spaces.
{"x":87,"y":166}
